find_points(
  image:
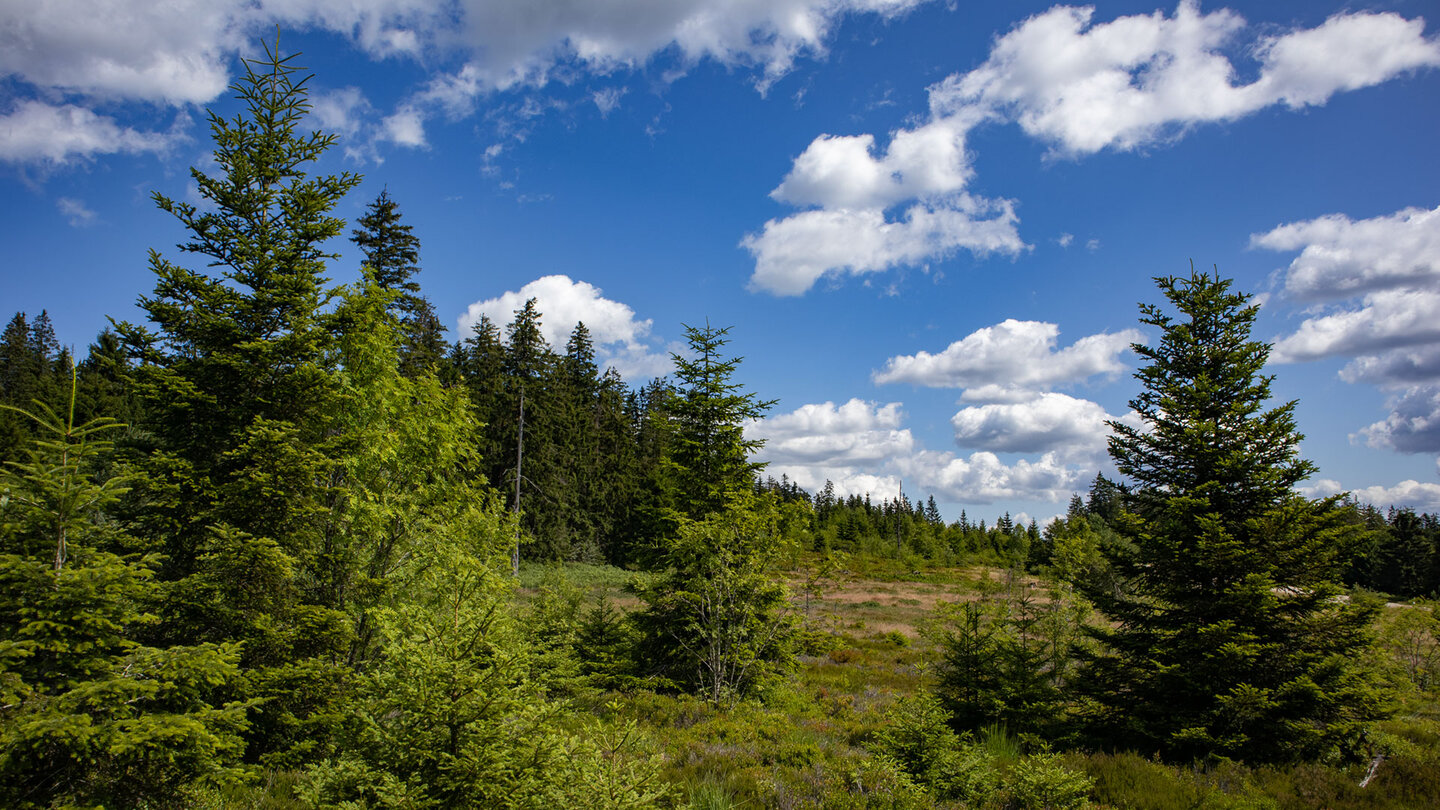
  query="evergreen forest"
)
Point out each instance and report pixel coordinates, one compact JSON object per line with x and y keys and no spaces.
{"x":280,"y":544}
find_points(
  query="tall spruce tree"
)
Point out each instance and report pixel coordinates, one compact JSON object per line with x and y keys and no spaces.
{"x":240,"y":389}
{"x":1224,"y":636}
{"x":708,"y":461}
{"x":392,"y":251}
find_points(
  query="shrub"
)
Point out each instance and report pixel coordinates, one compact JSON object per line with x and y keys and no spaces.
{"x":1042,"y":782}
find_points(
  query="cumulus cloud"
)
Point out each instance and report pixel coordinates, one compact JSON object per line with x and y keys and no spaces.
{"x":342,"y":111}
{"x":38,"y":132}
{"x":843,"y":172}
{"x":791,"y":254}
{"x":1340,"y":257}
{"x":1413,"y":425}
{"x":1010,"y":360}
{"x":405,"y":128}
{"x":620,"y":339}
{"x":1078,"y":86}
{"x":1387,"y":319}
{"x":853,"y":433}
{"x":174,"y":52}
{"x":523,"y":41}
{"x":1085,"y":87}
{"x":849,"y":445}
{"x":1391,"y":264}
{"x":1396,"y":367}
{"x":183,"y":52}
{"x":1050,"y":422}
{"x":983,"y":478}
{"x":862,"y":447}
{"x":1409,"y":493}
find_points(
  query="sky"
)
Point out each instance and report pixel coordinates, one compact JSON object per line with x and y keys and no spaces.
{"x":928,"y":225}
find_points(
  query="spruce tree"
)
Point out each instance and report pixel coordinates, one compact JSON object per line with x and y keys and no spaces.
{"x":391,"y":252}
{"x":1225,"y":637}
{"x":708,"y":461}
{"x":89,"y":715}
{"x":238,"y":377}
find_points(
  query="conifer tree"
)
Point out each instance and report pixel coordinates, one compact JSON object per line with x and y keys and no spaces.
{"x":708,"y":461}
{"x":88,"y":714}
{"x":240,"y":389}
{"x":391,"y":252}
{"x":1224,"y":634}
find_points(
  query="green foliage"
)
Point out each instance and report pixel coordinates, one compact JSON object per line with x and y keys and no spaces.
{"x":917,"y":736}
{"x":717,"y":620}
{"x":89,"y":715}
{"x":1224,"y":636}
{"x":453,"y":715}
{"x":1411,"y":636}
{"x":708,"y":461}
{"x":1041,"y":781}
{"x":240,"y":390}
{"x":391,"y":250}
{"x":1006,"y":660}
{"x":449,"y":716}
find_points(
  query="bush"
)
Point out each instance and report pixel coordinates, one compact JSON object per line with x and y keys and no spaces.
{"x":1041,"y":782}
{"x":918,"y":738}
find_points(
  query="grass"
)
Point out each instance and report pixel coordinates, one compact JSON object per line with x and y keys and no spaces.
{"x":805,"y":743}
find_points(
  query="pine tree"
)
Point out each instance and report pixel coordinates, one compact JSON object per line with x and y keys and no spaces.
{"x":1224,"y":634}
{"x":391,"y":252}
{"x":240,"y":391}
{"x":709,"y":457}
{"x":88,"y":714}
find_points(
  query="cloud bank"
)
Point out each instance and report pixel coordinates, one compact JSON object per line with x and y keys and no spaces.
{"x":1375,"y":287}
{"x":184,"y":52}
{"x":1071,"y":83}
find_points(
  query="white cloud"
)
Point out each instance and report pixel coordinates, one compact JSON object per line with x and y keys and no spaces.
{"x":1077,"y":86}
{"x":341,"y":111}
{"x":862,"y":447}
{"x":1409,"y":493}
{"x":857,"y":432}
{"x":1387,"y":319}
{"x":183,"y":51}
{"x":1141,"y":79}
{"x":1398,"y":367}
{"x":1340,"y":257}
{"x":75,"y":212}
{"x":1392,"y":263}
{"x":173,"y":52}
{"x":620,"y":339}
{"x":851,"y":188}
{"x":1348,"y":52}
{"x":38,"y":132}
{"x":841,"y":172}
{"x":607,"y":100}
{"x":405,"y":127}
{"x":523,"y":41}
{"x":984,"y":478}
{"x":1051,"y":422}
{"x":1413,"y":425}
{"x":1010,"y":360}
{"x":791,"y":254}
{"x":849,"y":445}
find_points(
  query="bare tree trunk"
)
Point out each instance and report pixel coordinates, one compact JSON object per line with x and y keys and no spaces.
{"x":519,"y":460}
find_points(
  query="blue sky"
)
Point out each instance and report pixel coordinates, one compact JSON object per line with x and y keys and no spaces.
{"x":928,"y":224}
